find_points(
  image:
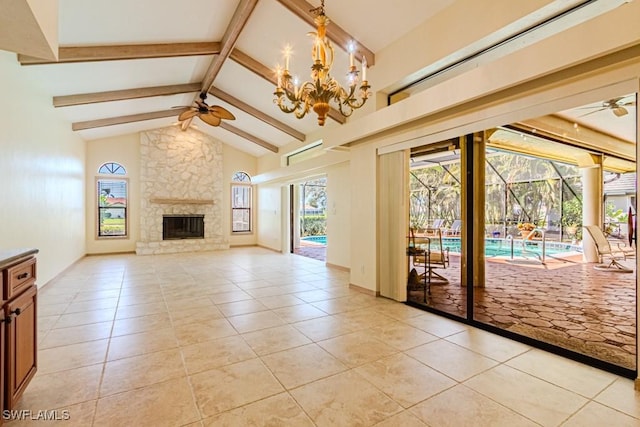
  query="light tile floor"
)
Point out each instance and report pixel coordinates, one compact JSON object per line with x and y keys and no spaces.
{"x":252,"y":337}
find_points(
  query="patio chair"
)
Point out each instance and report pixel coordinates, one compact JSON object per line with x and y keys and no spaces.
{"x":432,"y":255}
{"x":455,"y":229}
{"x":605,"y":250}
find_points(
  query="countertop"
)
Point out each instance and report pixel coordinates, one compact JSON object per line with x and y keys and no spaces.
{"x":9,"y":257}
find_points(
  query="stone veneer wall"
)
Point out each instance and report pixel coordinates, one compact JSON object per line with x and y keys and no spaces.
{"x":181,"y":173}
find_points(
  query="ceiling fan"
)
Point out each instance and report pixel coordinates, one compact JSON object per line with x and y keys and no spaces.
{"x":212,"y":115}
{"x":616,"y":105}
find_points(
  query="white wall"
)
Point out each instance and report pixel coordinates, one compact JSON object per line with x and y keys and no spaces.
{"x":124,"y":150}
{"x":238,"y":161}
{"x":363,"y":217}
{"x":270,"y":216}
{"x":42,"y":170}
{"x":453,"y":29}
{"x":339,"y":215}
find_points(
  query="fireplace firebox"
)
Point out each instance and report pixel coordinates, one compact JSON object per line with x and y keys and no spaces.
{"x":182,"y":227}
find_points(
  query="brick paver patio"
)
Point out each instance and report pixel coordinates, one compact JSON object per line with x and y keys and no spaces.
{"x":564,"y":302}
{"x":568,"y":304}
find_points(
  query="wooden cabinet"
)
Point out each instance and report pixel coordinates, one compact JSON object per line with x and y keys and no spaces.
{"x":18,"y":317}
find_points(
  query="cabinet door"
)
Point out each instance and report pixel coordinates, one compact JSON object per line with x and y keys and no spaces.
{"x":2,"y":375}
{"x":21,"y":342}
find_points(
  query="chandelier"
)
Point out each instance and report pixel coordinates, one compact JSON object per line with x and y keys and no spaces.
{"x":293,"y":97}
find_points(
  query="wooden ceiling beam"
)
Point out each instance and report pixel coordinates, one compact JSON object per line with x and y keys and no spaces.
{"x":302,"y":9}
{"x":112,"y":121}
{"x":68,"y":54}
{"x":122,"y":95}
{"x":249,"y":137}
{"x":238,"y":21}
{"x":269,"y":75}
{"x":256,"y":113}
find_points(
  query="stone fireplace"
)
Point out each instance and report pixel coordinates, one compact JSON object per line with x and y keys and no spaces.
{"x":182,"y":227}
{"x":180,"y":176}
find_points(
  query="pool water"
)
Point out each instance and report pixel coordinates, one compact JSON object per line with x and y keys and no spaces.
{"x":316,"y":239}
{"x":502,"y":247}
{"x":493,"y":247}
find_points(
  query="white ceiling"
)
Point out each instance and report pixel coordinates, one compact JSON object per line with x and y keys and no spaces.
{"x":599,"y":116}
{"x":270,"y":27}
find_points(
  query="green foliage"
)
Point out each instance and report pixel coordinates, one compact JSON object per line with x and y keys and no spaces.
{"x":313,"y":225}
{"x":435,"y":194}
{"x":572,"y":213}
{"x":614,"y":215}
{"x":112,"y":227}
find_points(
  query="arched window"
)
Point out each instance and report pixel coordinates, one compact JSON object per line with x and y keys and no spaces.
{"x":112,"y":169}
{"x":240,"y":203}
{"x":112,"y":197}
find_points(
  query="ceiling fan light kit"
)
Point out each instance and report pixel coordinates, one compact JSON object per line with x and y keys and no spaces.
{"x":318,"y":93}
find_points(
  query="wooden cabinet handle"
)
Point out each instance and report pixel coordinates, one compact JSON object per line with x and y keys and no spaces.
{"x":23,"y":276}
{"x":17,"y":312}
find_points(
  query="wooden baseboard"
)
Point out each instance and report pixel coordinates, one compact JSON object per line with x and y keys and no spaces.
{"x":248,"y":245}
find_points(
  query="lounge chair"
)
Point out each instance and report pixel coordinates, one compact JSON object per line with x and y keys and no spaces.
{"x":437,"y":223}
{"x":454,"y":230}
{"x":605,"y":250}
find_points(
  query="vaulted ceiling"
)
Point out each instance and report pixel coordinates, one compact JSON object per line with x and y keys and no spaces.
{"x":124,"y":65}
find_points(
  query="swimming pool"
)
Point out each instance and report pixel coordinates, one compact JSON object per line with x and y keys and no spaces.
{"x":493,"y":247}
{"x":316,"y":239}
{"x":502,"y":247}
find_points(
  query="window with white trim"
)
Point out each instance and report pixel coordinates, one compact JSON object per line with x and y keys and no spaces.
{"x":112,"y":200}
{"x":240,"y":203}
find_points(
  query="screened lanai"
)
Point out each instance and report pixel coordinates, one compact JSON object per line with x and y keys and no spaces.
{"x":532,"y":275}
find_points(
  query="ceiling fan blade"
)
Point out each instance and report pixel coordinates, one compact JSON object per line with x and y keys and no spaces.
{"x":595,"y":111}
{"x":221,"y":112}
{"x":210,"y":119}
{"x":619,"y":111}
{"x":185,"y":115}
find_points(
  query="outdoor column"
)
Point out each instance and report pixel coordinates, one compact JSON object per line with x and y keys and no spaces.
{"x":591,"y":176}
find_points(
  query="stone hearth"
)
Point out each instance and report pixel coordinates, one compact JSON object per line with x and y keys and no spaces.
{"x":180,"y":174}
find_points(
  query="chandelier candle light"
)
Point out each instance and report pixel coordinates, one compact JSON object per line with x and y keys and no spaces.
{"x":291,"y":97}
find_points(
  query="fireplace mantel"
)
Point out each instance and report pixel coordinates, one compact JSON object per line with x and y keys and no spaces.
{"x":164,"y":201}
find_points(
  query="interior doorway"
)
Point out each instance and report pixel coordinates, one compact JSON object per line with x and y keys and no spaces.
{"x":308,"y":212}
